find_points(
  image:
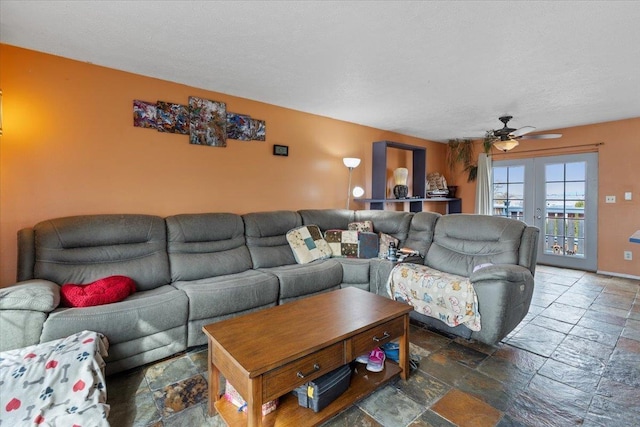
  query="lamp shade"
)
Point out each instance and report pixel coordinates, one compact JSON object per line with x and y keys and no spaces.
{"x":506,"y":145}
{"x":400,"y":176}
{"x":351,"y":162}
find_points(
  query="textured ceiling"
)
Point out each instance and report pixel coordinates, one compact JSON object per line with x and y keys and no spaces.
{"x":431,"y":69}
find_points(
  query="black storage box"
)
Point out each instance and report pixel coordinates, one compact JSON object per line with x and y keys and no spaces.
{"x":320,"y":392}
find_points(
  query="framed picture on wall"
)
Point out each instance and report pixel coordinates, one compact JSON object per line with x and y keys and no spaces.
{"x":238,"y":127}
{"x":281,"y":150}
{"x":208,"y":122}
{"x":144,"y":114}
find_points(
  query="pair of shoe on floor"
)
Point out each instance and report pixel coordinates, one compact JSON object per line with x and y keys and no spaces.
{"x":374,"y":360}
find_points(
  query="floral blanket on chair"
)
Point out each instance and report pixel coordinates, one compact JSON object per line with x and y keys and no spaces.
{"x":447,"y":297}
{"x":56,"y":383}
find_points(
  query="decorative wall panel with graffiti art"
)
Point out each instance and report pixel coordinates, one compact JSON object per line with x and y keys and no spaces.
{"x":206,"y":122}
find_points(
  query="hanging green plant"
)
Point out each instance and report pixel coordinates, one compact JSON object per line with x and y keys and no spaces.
{"x":460,"y":151}
{"x":472,"y":168}
{"x":472,"y":172}
{"x":488,"y":141}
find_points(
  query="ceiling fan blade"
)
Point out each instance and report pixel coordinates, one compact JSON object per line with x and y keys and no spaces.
{"x":543,"y":136}
{"x":523,"y":130}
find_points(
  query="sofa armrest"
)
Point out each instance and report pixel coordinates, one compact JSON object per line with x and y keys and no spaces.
{"x":33,"y":295}
{"x":508,"y":272}
{"x":504,"y":294}
{"x":380,"y":271}
{"x":24,"y":307}
{"x":529,"y":248}
{"x":416,"y":259}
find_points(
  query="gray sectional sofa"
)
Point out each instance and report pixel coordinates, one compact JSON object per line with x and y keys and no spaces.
{"x":195,"y":269}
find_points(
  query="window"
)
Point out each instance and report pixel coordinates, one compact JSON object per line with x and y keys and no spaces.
{"x":564,"y":229}
{"x":508,"y":191}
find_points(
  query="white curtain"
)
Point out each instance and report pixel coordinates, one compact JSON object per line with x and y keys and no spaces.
{"x":484,"y":195}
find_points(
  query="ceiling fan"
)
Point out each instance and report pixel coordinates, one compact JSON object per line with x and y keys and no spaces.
{"x":506,"y":138}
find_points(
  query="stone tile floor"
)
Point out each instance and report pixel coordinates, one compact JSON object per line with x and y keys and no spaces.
{"x":573,"y":360}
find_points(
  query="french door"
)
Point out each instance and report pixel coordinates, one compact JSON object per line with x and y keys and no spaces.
{"x":559,"y":195}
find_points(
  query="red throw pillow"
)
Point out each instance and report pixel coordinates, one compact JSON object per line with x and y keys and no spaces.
{"x":102,"y":291}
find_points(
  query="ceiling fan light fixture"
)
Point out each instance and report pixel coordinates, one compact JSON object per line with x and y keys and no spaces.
{"x":506,"y":145}
{"x":506,"y":138}
{"x":543,"y":136}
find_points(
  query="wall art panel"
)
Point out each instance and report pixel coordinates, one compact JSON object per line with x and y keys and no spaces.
{"x":208,"y":122}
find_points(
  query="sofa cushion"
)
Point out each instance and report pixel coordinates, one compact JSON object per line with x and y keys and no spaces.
{"x":355,"y":272}
{"x":328,"y":219}
{"x":308,"y":244}
{"x":421,"y":231}
{"x":20,"y":328}
{"x":206,"y":245}
{"x":300,"y":280}
{"x":394,"y":223}
{"x":85,"y":248}
{"x":224,"y":295}
{"x":140,"y":315}
{"x":463,"y":241}
{"x":103,"y":291}
{"x":385,"y":242}
{"x":217,"y":298}
{"x":368,"y":245}
{"x":26,"y":254}
{"x":362,"y":226}
{"x":32,"y":295}
{"x":266,"y":237}
{"x":343,"y":243}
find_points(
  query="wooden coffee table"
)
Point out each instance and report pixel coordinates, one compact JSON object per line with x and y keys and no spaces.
{"x":268,"y":353}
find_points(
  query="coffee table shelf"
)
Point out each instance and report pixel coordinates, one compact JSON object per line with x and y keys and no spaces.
{"x":289,"y":413}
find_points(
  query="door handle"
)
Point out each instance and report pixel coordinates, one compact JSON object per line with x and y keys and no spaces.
{"x":538,"y":213}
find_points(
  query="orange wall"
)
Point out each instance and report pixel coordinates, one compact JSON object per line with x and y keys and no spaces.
{"x":618,"y":167}
{"x":70,"y":148}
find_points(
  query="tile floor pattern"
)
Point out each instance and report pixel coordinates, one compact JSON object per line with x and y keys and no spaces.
{"x":573,"y":360}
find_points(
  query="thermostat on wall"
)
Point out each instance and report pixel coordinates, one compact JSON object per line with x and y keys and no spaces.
{"x":280,"y":150}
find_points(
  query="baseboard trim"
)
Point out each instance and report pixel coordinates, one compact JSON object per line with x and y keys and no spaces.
{"x":626,"y":276}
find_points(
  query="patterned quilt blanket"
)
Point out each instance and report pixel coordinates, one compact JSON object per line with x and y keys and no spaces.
{"x":57,"y":383}
{"x":444,"y":296}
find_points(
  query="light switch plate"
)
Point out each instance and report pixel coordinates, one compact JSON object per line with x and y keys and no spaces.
{"x":610,"y":199}
{"x":627,"y":195}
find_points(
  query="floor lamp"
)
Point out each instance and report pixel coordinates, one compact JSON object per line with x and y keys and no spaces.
{"x":350,"y":162}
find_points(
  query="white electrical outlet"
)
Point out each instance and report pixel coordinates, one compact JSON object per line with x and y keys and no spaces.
{"x":627,"y":195}
{"x":610,"y":199}
{"x":628,"y":256}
